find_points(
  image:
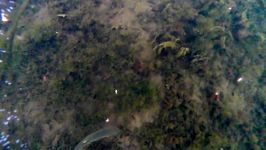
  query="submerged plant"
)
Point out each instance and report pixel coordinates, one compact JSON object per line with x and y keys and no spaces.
{"x":182,"y":52}
{"x":172,"y":44}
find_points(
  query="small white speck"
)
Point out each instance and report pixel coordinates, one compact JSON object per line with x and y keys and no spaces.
{"x":9,"y":118}
{"x":17,"y":141}
{"x":216,"y":93}
{"x":56,"y":32}
{"x":1,"y":61}
{"x":230,"y":8}
{"x":240,"y":79}
{"x":61,"y":15}
{"x":5,"y":95}
{"x":116,"y":92}
{"x":107,"y":120}
{"x":84,"y":141}
{"x":6,"y":123}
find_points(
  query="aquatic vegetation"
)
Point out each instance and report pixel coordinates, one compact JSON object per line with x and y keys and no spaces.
{"x":168,"y":44}
{"x":12,"y":30}
{"x":182,"y":52}
{"x":170,"y":74}
{"x":198,"y":57}
{"x":174,"y":45}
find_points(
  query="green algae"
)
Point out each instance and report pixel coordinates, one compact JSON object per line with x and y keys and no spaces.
{"x":11,"y":33}
{"x":168,"y":44}
{"x":85,"y":64}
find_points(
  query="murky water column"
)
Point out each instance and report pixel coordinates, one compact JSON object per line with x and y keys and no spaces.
{"x":8,"y":118}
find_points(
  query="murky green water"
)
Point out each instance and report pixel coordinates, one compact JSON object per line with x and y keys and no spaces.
{"x":124,"y":74}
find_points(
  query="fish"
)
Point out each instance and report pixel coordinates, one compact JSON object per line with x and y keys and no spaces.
{"x":95,"y":136}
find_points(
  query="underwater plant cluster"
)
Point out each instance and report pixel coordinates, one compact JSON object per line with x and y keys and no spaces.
{"x":142,"y":74}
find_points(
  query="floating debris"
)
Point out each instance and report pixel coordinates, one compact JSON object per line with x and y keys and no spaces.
{"x":45,"y":78}
{"x":217,"y":95}
{"x":61,"y":15}
{"x":240,"y":79}
{"x":17,"y":141}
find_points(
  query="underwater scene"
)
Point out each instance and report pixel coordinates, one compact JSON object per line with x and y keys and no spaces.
{"x":132,"y":74}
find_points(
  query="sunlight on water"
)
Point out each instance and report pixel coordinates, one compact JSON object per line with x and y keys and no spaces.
{"x":7,"y":140}
{"x":9,"y":118}
{"x":6,"y":7}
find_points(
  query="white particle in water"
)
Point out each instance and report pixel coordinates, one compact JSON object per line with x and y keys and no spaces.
{"x":6,"y":123}
{"x":9,"y":118}
{"x":17,"y":141}
{"x":240,"y":79}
